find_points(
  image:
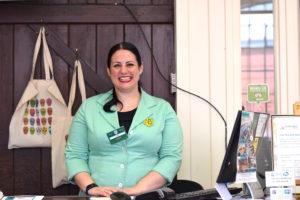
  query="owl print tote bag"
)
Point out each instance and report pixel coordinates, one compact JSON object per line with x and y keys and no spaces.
{"x":41,"y":102}
{"x":61,"y":127}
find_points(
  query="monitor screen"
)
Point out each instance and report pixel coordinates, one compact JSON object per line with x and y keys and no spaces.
{"x":229,"y":168}
{"x":247,"y":124}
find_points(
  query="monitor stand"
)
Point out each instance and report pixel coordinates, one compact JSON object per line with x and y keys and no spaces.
{"x":254,"y":190}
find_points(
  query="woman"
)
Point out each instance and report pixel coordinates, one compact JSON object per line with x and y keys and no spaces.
{"x":123,"y":140}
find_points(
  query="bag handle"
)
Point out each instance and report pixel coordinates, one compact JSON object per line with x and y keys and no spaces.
{"x":78,"y":71}
{"x":47,"y":55}
{"x":48,"y":65}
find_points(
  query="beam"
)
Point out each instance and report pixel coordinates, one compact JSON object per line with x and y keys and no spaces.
{"x":58,"y":14}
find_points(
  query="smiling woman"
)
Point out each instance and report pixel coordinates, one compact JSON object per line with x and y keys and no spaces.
{"x":93,"y":32}
{"x":124,"y":70}
{"x":124,"y":140}
{"x":124,"y":66}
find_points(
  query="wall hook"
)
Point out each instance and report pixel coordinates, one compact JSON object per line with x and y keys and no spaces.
{"x":76,"y":53}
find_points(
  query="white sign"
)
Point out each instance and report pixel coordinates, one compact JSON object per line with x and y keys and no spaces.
{"x":281,"y":193}
{"x":286,"y":142}
{"x":280,"y":178}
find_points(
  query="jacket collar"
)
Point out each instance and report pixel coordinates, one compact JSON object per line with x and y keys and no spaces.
{"x":143,"y":112}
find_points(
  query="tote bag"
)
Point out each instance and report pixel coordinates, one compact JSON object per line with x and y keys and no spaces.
{"x":61,"y":127}
{"x":41,"y":102}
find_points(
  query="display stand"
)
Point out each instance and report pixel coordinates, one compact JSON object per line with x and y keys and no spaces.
{"x":254,"y":190}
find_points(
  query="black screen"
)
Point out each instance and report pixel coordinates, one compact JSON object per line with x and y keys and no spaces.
{"x":228,"y":169}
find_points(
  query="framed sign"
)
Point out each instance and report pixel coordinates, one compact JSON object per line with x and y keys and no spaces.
{"x":286,"y":143}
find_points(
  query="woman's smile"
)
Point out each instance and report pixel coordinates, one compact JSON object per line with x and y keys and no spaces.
{"x":125,"y":79}
{"x":124,"y":70}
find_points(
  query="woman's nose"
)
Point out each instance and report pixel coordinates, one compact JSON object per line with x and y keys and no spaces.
{"x":123,"y":69}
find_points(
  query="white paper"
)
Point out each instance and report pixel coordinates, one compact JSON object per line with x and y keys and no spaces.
{"x":280,"y":178}
{"x":223,"y":191}
{"x":246,"y":177}
{"x":260,"y":129}
{"x":286,"y":143}
{"x":23,"y":197}
{"x":281,"y":193}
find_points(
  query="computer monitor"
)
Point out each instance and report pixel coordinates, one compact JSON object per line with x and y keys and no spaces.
{"x":252,"y":124}
{"x":228,"y":169}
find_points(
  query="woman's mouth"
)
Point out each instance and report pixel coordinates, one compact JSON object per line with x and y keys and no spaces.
{"x":125,"y":79}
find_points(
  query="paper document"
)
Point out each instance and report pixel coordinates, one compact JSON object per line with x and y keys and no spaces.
{"x":23,"y":197}
{"x":223,"y":191}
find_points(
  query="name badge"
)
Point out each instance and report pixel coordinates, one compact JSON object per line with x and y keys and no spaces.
{"x":117,"y":135}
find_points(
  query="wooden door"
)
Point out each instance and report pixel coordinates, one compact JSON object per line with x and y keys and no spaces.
{"x":93,"y":27}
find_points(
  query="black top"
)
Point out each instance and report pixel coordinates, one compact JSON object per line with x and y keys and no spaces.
{"x":125,"y":118}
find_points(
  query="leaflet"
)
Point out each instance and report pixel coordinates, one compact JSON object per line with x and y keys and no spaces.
{"x":23,"y":197}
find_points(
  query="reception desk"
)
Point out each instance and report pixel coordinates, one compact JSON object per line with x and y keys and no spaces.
{"x":296,"y":197}
{"x":75,"y":197}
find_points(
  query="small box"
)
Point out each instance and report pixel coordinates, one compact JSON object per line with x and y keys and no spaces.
{"x":297,"y":108}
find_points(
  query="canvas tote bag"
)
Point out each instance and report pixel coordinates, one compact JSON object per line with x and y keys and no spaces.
{"x":41,"y":102}
{"x":61,"y":127}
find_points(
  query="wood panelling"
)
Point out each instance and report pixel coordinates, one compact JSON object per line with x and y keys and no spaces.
{"x":138,"y":2}
{"x":6,"y":108}
{"x":68,"y":55}
{"x":165,"y":66}
{"x":92,"y":28}
{"x":134,"y":35}
{"x":83,"y":38}
{"x":109,"y":1}
{"x":91,"y":13}
{"x":26,"y":161}
{"x":60,"y":66}
{"x":113,"y":34}
{"x":170,"y":2}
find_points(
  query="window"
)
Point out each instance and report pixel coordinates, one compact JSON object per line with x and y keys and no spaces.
{"x":257,"y":59}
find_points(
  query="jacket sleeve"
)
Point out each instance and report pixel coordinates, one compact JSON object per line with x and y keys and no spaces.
{"x":170,"y":153}
{"x":76,"y":152}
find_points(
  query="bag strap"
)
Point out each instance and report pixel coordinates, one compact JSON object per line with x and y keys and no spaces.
{"x":48,"y":65}
{"x":47,"y":56}
{"x":78,"y":71}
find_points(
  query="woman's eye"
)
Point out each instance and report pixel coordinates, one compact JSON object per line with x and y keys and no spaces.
{"x":130,"y":64}
{"x":116,"y":65}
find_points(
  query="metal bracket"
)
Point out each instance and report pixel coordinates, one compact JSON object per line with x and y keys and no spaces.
{"x":173,"y":79}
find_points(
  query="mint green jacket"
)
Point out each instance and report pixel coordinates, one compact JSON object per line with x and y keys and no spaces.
{"x":155,"y":146}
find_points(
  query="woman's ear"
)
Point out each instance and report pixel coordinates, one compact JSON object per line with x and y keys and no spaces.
{"x":108,"y":71}
{"x":141,"y":69}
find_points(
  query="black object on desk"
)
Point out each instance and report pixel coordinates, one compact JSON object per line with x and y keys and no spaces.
{"x":211,"y":193}
{"x":119,"y":196}
{"x":159,"y":194}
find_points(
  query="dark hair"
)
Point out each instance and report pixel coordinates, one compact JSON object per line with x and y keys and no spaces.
{"x":126,"y":46}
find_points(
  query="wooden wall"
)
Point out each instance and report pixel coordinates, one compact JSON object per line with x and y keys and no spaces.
{"x":93,"y":27}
